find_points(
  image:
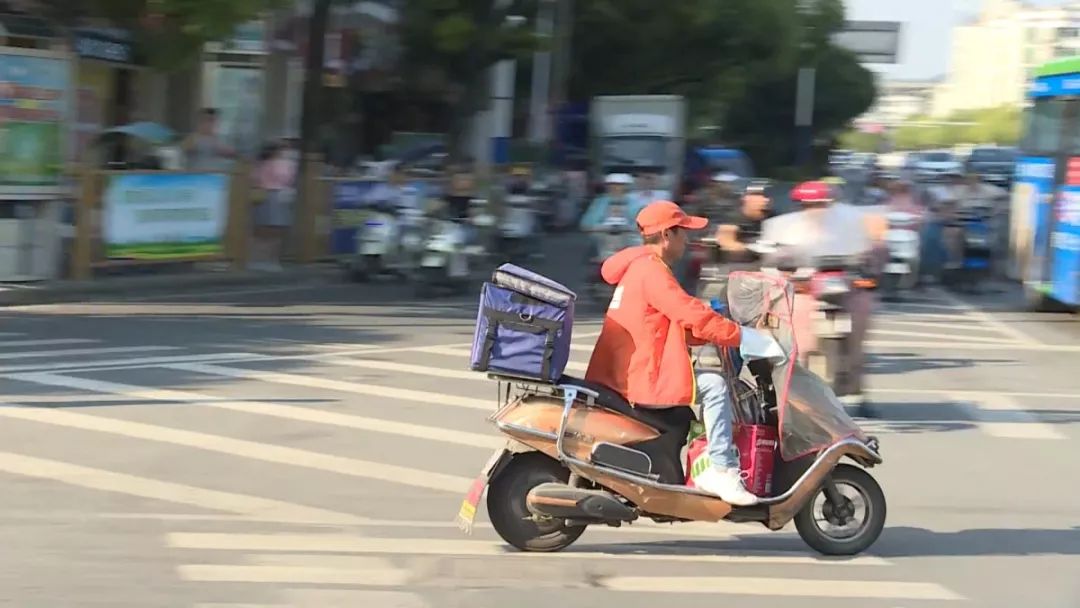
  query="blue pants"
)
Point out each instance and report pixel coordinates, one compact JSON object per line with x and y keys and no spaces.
{"x":715,"y":399}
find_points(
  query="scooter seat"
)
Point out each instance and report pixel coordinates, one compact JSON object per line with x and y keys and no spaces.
{"x":665,"y":420}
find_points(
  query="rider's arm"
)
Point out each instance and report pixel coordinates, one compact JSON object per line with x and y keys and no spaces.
{"x":726,"y":238}
{"x":664,"y":293}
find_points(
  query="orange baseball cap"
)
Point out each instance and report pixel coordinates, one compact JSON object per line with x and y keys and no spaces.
{"x":662,"y":215}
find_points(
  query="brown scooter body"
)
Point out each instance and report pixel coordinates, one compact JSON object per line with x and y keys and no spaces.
{"x":535,"y":420}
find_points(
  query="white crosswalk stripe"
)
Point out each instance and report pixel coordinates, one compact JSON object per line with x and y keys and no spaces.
{"x":308,"y":555}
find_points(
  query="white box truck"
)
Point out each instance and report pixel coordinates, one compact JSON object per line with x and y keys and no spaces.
{"x":631,"y":133}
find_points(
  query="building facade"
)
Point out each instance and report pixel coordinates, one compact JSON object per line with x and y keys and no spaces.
{"x":993,"y":56}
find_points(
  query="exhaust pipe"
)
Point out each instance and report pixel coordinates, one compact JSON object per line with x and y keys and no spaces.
{"x":560,"y":501}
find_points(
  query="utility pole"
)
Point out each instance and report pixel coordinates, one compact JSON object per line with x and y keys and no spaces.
{"x":539,"y":102}
{"x":804,"y":97}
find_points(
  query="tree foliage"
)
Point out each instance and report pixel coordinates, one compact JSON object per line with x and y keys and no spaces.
{"x":170,"y":32}
{"x":762,"y":119}
{"x":1000,"y":125}
{"x":702,"y":49}
{"x":454,"y":42}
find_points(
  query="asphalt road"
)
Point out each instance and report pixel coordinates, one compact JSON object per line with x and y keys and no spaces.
{"x":310,"y":447}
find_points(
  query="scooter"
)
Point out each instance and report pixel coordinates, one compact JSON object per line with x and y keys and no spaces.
{"x":517,"y":229}
{"x":579,"y":455}
{"x":823,"y":323}
{"x":978,"y":242}
{"x":377,"y":244}
{"x":444,"y":262}
{"x":902,"y":270}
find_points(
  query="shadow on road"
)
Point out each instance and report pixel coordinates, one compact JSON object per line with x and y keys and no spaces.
{"x":920,"y":542}
{"x":904,"y":363}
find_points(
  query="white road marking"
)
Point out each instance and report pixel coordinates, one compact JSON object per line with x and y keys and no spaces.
{"x":1018,"y":347}
{"x":352,"y":598}
{"x":788,"y":587}
{"x":972,"y":394}
{"x":248,"y":507}
{"x":950,"y":325}
{"x":56,"y":342}
{"x":78,"y":352}
{"x":975,"y":313}
{"x":1000,"y":416}
{"x":916,"y":334}
{"x":458,"y":351}
{"x":264,"y":408}
{"x":309,"y":575}
{"x":344,"y":543}
{"x":938,"y":306}
{"x":375,"y":390}
{"x":128,"y":363}
{"x":407,"y":368}
{"x":351,"y":467}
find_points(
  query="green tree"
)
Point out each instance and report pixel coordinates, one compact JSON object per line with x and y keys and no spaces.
{"x":702,"y":49}
{"x":761,"y":119}
{"x":455,"y":42}
{"x":170,"y":32}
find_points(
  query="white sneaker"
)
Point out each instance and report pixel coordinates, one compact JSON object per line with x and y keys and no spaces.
{"x":727,"y":484}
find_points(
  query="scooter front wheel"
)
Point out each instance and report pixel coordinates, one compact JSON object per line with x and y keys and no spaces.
{"x":848,"y":528}
{"x":511,"y":517}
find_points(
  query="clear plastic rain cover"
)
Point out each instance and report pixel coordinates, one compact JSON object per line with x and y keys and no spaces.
{"x":811,"y":416}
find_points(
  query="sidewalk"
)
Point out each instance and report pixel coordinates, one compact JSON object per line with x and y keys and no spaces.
{"x":55,"y":292}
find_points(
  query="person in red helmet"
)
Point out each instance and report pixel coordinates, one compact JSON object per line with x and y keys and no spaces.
{"x":830,"y":224}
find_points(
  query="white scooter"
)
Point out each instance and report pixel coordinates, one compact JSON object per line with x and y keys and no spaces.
{"x":388,"y":241}
{"x":444,"y":261}
{"x":902,"y":270}
{"x":517,"y":228}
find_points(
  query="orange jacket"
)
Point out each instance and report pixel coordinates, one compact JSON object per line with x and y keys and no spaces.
{"x":642,"y":351}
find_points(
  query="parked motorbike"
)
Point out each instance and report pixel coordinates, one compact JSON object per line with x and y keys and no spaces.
{"x":579,"y":455}
{"x":517,"y":229}
{"x":444,"y":261}
{"x":902,"y":270}
{"x":388,"y":242}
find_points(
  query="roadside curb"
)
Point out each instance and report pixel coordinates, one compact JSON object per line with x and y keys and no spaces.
{"x":60,"y":292}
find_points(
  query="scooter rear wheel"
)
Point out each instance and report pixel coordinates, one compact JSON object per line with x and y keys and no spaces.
{"x":511,"y":517}
{"x":849,"y":528}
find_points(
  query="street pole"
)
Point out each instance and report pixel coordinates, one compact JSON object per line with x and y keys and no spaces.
{"x":804,"y":116}
{"x":804,"y":98}
{"x":541,"y":75}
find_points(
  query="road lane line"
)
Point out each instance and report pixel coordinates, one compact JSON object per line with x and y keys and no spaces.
{"x":1000,"y":416}
{"x":351,"y":467}
{"x":308,"y":575}
{"x":968,"y":393}
{"x":266,"y":408}
{"x":975,"y":313}
{"x":79,"y":352}
{"x":787,"y":587}
{"x":344,"y":543}
{"x":946,"y":346}
{"x":917,"y":334}
{"x":374,"y":390}
{"x":248,"y":507}
{"x":128,"y":363}
{"x":57,"y":342}
{"x":458,"y":351}
{"x":931,"y":305}
{"x":407,"y":368}
{"x":950,"y":325}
